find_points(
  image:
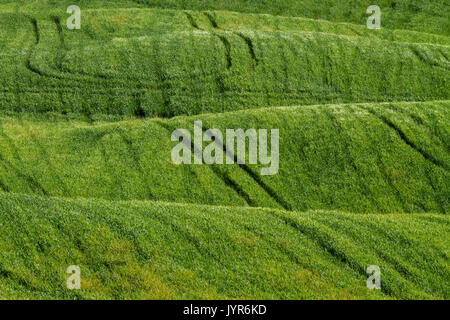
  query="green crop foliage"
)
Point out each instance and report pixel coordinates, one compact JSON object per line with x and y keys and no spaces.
{"x":154,"y":250}
{"x":167,"y":63}
{"x":87,"y":179}
{"x":367,"y":158}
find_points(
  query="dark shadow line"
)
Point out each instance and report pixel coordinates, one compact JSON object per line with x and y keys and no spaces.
{"x":221,"y":175}
{"x":405,"y":139}
{"x":37,"y":37}
{"x":227,"y":46}
{"x":251,"y":48}
{"x":253,"y":175}
{"x":211,"y":19}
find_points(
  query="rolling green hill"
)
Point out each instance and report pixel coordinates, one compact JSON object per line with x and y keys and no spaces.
{"x":167,"y":63}
{"x":86,"y":175}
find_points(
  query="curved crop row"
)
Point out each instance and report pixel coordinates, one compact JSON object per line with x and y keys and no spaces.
{"x":180,"y":70}
{"x":151,"y":250}
{"x":430,"y":16}
{"x":355,"y":158}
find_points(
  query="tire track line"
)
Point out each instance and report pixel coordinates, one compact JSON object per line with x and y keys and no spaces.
{"x":271,"y":192}
{"x":221,"y":175}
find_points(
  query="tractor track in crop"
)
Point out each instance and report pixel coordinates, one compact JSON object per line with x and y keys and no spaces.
{"x":398,"y":266}
{"x":248,"y":41}
{"x":255,"y":177}
{"x":233,"y":185}
{"x":36,"y":34}
{"x":222,"y":38}
{"x":163,"y":83}
{"x":436,"y":134}
{"x":348,"y":154}
{"x":170,"y":129}
{"x":132,"y":151}
{"x":407,"y":141}
{"x":4,"y":187}
{"x":326,"y":243}
{"x":227,"y":46}
{"x":192,"y":21}
{"x":223,"y":176}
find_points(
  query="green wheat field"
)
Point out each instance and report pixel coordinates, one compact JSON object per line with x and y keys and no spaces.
{"x":87,"y":179}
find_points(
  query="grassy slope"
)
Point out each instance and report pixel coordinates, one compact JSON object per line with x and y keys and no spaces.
{"x":157,"y":250}
{"x":377,"y":157}
{"x":168,"y":65}
{"x":429,"y":16}
{"x":360,"y":158}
